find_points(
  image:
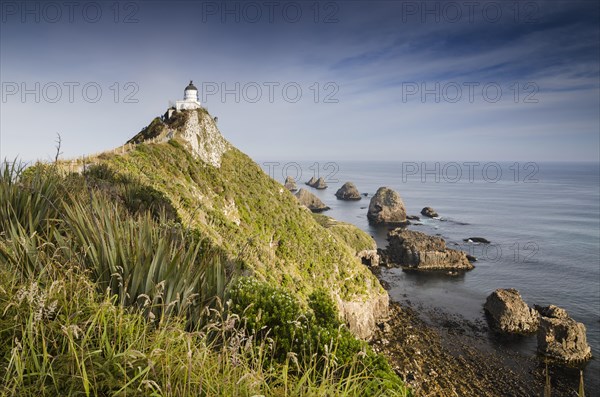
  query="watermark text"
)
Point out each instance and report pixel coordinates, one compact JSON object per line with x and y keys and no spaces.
{"x":68,"y":91}
{"x":469,"y":171}
{"x":453,"y":92}
{"x":270,"y":12}
{"x":269,"y":91}
{"x":69,"y":11}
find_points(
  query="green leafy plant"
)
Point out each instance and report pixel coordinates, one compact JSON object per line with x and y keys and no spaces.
{"x":309,"y":334}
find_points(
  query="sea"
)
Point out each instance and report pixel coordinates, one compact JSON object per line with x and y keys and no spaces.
{"x":542,"y":221}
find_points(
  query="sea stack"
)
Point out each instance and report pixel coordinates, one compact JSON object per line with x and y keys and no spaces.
{"x":290,"y":184}
{"x":320,"y":184}
{"x":310,"y":201}
{"x":387,"y":207}
{"x":429,"y":212}
{"x":348,"y":192}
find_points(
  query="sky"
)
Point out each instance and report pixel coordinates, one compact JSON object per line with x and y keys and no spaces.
{"x":303,"y":80}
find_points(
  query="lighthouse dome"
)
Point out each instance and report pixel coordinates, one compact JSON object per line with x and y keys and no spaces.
{"x":190,"y":93}
{"x":191,"y":86}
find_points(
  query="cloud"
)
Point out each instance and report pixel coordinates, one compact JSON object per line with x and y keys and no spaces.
{"x":369,"y":55}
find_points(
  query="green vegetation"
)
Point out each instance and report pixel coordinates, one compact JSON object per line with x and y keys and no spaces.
{"x":241,"y":210}
{"x":56,"y":345}
{"x":129,"y":255}
{"x":105,"y":291}
{"x":347,"y":233}
{"x":153,"y":130}
{"x":314,"y":333}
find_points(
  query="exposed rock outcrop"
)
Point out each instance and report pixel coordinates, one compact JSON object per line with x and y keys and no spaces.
{"x":477,"y":240}
{"x":290,"y":184}
{"x":362,"y":316}
{"x":560,"y":337}
{"x":317,"y":183}
{"x":508,"y":312}
{"x":310,"y":201}
{"x":429,"y":212}
{"x":320,"y":184}
{"x":387,"y":207}
{"x":348,"y":192}
{"x":369,"y":257}
{"x":203,"y":136}
{"x":551,"y":311}
{"x":416,"y":250}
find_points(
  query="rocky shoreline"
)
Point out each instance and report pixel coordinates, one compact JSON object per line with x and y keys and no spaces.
{"x":446,"y":355}
{"x":438,"y":362}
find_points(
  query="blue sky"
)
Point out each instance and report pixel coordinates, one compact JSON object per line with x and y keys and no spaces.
{"x":379,"y":80}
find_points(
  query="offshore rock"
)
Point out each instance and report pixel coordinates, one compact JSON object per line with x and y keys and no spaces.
{"x":560,"y":337}
{"x":348,"y":192}
{"x":290,"y":184}
{"x":387,"y":207}
{"x":476,"y":240}
{"x":508,"y":312}
{"x":310,"y":201}
{"x":416,"y":250}
{"x":320,"y":184}
{"x":429,"y":212}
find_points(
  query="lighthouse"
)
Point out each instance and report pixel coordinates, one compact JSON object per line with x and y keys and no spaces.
{"x":190,"y":98}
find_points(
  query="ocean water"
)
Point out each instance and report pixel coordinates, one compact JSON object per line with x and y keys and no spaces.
{"x":543,"y":221}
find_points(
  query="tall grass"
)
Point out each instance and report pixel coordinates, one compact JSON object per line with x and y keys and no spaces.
{"x":29,"y":207}
{"x":142,"y":261}
{"x":58,"y":345}
{"x":150,"y":263}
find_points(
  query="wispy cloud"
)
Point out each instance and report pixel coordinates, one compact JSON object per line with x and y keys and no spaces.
{"x":371,"y":51}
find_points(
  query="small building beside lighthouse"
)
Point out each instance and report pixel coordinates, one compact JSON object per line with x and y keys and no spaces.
{"x":190,"y":98}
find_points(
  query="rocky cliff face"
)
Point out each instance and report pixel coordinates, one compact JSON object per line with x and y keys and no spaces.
{"x":229,"y":200}
{"x":363,"y":316}
{"x":203,"y":137}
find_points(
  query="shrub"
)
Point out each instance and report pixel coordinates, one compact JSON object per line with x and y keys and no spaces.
{"x":268,"y":311}
{"x":324,"y":309}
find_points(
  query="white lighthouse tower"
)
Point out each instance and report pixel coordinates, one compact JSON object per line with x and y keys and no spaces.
{"x":190,"y":98}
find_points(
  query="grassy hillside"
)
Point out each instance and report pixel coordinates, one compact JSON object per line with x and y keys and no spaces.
{"x":250,"y":216}
{"x":347,"y":233}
